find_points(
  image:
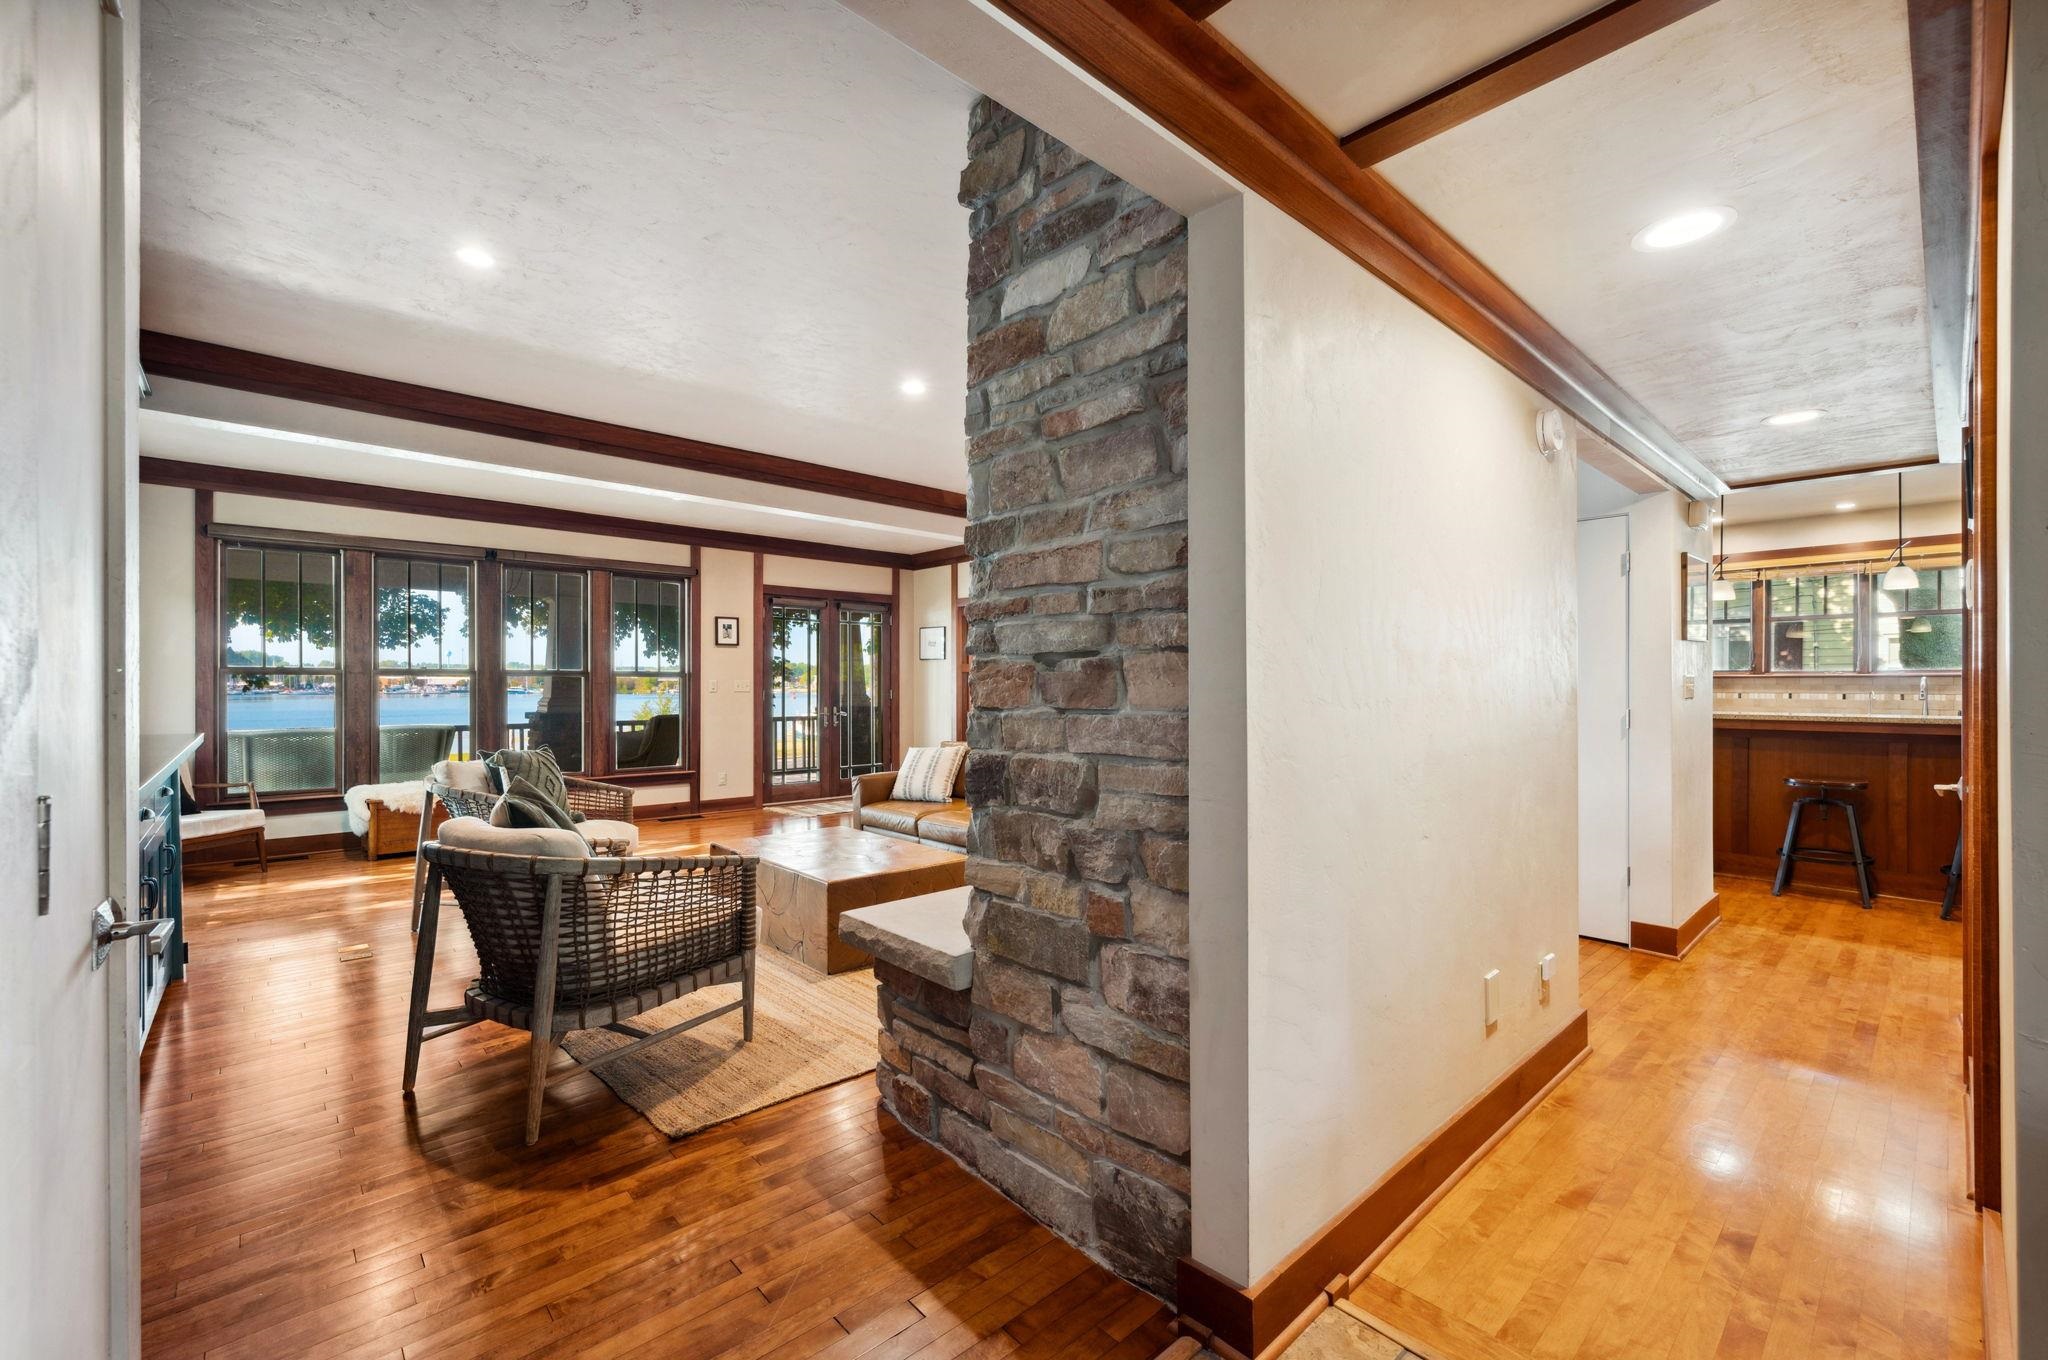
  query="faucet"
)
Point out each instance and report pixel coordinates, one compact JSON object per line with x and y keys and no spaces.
{"x":1923,"y":696}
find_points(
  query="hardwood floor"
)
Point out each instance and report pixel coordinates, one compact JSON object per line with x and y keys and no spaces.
{"x":1762,"y":1157}
{"x":295,"y":1206}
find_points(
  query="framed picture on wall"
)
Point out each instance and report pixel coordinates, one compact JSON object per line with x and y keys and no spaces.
{"x":1695,"y":601}
{"x":931,"y":643}
{"x":726,"y":631}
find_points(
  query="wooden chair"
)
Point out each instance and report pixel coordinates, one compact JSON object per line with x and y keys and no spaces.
{"x":570,"y":943}
{"x":246,"y":820}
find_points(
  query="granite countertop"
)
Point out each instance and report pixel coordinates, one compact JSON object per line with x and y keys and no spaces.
{"x":1890,"y":719}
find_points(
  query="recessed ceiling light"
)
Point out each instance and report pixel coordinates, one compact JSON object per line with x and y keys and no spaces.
{"x":1682,"y":229}
{"x":912,"y":387}
{"x":1794,"y":417}
{"x":476,"y":257}
{"x":1845,"y":505}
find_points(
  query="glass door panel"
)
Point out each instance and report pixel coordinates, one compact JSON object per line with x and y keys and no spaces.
{"x":862,"y":715}
{"x":796,"y":680}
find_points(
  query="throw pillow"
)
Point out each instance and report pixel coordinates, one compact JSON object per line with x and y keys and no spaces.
{"x":526,"y":805}
{"x":466,"y":776}
{"x":538,"y":768}
{"x":929,"y":773}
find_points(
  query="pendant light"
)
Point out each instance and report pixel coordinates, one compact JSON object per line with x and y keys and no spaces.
{"x":1901,"y":576}
{"x":1724,"y":589}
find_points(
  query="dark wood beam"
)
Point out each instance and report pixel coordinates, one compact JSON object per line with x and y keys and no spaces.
{"x":1201,"y":9}
{"x":1195,"y":83}
{"x":1939,"y":37}
{"x":206,"y":477}
{"x":1557,"y":53}
{"x":939,"y":557}
{"x":170,"y":356}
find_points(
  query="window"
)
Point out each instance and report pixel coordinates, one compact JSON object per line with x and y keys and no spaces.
{"x":280,"y":650}
{"x":423,"y":665}
{"x":546,"y":666}
{"x":649,"y":658}
{"x":1813,"y":622}
{"x":1734,"y":637}
{"x":1919,"y":629}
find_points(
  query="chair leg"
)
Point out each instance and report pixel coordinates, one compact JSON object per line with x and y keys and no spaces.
{"x":262,"y":850}
{"x":419,"y":861}
{"x":539,"y":1051}
{"x":1784,"y":879}
{"x":543,"y":1046}
{"x":422,"y":977}
{"x":1862,"y":860}
{"x":747,"y":997}
{"x":1954,"y":873}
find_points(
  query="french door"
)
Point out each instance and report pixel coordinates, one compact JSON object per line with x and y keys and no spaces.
{"x":828,"y":676}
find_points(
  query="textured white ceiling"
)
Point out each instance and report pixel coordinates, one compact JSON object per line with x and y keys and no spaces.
{"x":1797,"y":113}
{"x":729,"y":219}
{"x":1352,"y":61}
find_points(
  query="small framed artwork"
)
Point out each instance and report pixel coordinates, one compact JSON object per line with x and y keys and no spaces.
{"x":1695,"y":614}
{"x":931,"y":643}
{"x":726,"y":631}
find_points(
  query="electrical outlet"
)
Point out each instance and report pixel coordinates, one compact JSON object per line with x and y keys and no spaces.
{"x":711,"y":686}
{"x":742,"y":686}
{"x":1493,"y":998}
{"x":1546,"y":969}
{"x":721,"y":779}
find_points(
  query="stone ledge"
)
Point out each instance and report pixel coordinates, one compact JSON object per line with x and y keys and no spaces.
{"x":924,"y":936}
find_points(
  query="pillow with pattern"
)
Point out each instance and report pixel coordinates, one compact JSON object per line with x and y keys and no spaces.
{"x":929,"y":773}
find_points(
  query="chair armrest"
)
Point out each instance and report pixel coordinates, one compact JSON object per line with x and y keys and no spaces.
{"x":462,"y":802}
{"x":608,"y":802}
{"x":240,"y":784}
{"x":872,"y":788}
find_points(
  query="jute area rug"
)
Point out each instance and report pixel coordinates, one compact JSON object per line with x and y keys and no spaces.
{"x":817,"y":807}
{"x":809,"y":1031}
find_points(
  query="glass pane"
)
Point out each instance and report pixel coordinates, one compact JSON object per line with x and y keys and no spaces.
{"x":318,"y":608}
{"x":281,"y":731}
{"x":568,"y":621}
{"x":420,"y":719}
{"x":647,"y":626}
{"x":793,"y":695}
{"x":454,"y":616}
{"x":625,"y":623}
{"x":647,"y":722}
{"x":546,"y":710}
{"x":1733,"y":648}
{"x":1813,"y":645}
{"x":392,"y":581}
{"x":1918,"y":642}
{"x":242,"y":607}
{"x":281,"y":609}
{"x":863,"y":742}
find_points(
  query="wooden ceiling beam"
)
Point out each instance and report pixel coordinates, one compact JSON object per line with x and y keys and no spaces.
{"x":1201,"y":9}
{"x":1939,"y":33}
{"x":1557,"y":53}
{"x":1195,"y":83}
{"x":171,"y":356}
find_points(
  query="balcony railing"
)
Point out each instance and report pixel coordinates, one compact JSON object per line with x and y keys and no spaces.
{"x":793,"y":749}
{"x":300,"y":759}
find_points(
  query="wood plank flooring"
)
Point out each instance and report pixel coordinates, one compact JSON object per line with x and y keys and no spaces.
{"x":295,"y":1206}
{"x":1762,"y":1157}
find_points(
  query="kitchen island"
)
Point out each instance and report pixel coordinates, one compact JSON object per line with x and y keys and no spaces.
{"x":1907,"y":827}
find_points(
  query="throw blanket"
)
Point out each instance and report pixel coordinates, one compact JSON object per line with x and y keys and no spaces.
{"x":404,"y":797}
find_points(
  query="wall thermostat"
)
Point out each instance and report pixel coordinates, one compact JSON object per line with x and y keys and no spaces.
{"x":1552,"y":437}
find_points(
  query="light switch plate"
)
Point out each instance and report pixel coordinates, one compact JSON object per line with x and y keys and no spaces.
{"x":1493,"y":998}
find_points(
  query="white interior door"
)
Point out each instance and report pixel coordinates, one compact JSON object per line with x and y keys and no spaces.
{"x":1603,"y":728}
{"x":67,"y":1061}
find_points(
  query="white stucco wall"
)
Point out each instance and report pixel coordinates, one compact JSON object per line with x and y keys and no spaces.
{"x":1408,"y":661}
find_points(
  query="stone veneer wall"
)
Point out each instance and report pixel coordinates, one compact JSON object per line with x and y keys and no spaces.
{"x":1063,"y":1079}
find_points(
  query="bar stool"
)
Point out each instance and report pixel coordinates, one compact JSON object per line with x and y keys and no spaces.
{"x":1825,"y":799}
{"x":1953,"y":870}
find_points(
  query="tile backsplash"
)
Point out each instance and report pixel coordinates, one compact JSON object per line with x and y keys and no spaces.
{"x":1838,"y":694}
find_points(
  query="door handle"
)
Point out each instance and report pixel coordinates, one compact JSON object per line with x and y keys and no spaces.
{"x":108,"y":928}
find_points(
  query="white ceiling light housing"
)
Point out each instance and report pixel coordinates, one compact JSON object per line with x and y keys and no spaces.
{"x":912,"y":387}
{"x":476,"y":257}
{"x":1682,"y":229}
{"x":1724,"y":589}
{"x":1901,"y":577}
{"x":1805,"y":417}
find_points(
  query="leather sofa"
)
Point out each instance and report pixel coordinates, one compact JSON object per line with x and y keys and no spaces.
{"x":937,"y":824}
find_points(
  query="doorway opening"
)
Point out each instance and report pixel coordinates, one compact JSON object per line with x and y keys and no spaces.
{"x":827,"y":681}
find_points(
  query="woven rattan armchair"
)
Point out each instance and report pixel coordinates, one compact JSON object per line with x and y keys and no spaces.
{"x":459,"y":803}
{"x":569,"y":944}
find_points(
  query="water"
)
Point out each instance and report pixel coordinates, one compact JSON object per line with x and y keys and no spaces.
{"x":260,"y":711}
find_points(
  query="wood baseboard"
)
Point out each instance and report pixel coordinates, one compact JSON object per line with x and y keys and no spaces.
{"x":1999,"y":1342}
{"x":738,"y":804}
{"x":280,"y":847}
{"x":1256,"y":1320}
{"x":1675,"y":942}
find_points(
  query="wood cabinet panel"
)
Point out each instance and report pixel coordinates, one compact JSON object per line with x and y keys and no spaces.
{"x":1907,"y":828}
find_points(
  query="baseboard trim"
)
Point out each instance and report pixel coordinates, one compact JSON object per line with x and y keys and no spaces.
{"x":739,"y":804}
{"x":1256,"y":1320}
{"x":1999,"y":1341}
{"x":1675,"y":943}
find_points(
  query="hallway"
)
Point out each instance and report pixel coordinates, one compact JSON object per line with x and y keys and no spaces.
{"x":1762,"y":1156}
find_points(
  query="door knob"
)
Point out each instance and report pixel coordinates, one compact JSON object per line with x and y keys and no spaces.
{"x":108,"y":928}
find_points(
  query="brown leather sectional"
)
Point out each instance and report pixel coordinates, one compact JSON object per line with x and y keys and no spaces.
{"x":939,"y":824}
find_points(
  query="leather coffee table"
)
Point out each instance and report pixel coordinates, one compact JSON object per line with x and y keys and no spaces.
{"x":809,"y":875}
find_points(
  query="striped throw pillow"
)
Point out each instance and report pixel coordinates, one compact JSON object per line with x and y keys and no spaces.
{"x":929,"y":772}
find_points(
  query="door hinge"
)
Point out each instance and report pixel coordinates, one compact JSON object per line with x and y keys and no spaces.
{"x":1628,"y":719}
{"x":1624,"y":564}
{"x":1628,"y":876}
{"x":42,"y":854}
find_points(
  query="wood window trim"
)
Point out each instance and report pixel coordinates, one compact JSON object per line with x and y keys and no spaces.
{"x":379,"y":671}
{"x":211,"y":670}
{"x":766,"y":597}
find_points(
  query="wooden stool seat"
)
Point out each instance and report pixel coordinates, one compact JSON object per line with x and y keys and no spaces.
{"x":1827,"y":796}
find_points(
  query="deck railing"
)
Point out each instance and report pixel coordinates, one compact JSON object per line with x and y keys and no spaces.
{"x":793,"y":748}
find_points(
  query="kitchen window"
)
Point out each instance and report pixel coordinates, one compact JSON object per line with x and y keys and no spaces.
{"x":1812,"y":622}
{"x":1919,"y":629}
